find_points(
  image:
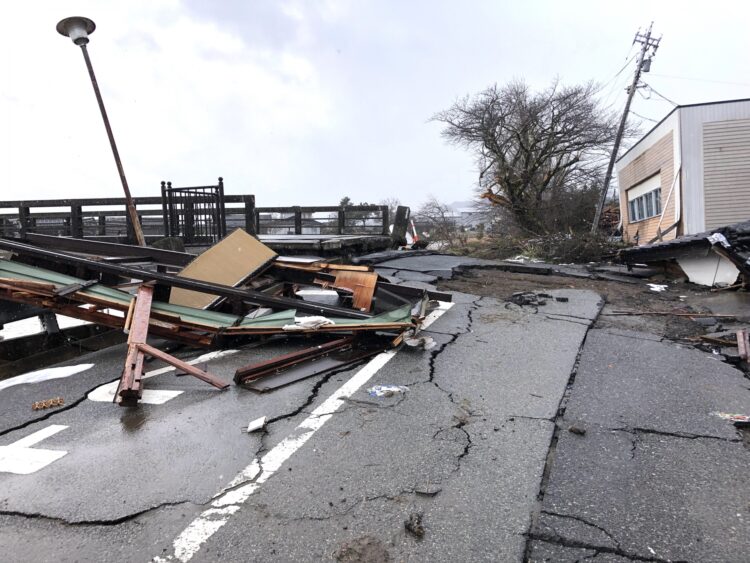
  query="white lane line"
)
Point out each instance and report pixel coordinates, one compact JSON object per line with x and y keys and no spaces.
{"x":20,"y":458}
{"x":190,"y":540}
{"x":106,"y":393}
{"x":44,"y":375}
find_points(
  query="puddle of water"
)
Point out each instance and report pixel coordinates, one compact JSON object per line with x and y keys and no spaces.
{"x":132,"y":419}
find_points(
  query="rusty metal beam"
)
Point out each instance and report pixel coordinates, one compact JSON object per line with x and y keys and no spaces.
{"x":250,"y":372}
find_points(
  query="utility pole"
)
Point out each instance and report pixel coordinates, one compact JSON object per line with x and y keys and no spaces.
{"x":643,"y":64}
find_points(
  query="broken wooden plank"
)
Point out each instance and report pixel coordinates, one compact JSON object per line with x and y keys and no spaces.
{"x":673,"y":313}
{"x":361,"y":284}
{"x":743,"y":344}
{"x":129,"y":390}
{"x":184,"y":366}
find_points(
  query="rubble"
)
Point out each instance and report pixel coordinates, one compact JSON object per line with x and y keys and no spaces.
{"x":711,"y":258}
{"x":236,"y":290}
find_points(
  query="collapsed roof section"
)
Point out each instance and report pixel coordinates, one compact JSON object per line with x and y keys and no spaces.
{"x":715,"y":257}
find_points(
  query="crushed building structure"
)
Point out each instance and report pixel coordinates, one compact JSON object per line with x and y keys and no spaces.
{"x":237,"y":290}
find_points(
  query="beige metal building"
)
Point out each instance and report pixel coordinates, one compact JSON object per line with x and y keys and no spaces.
{"x":688,"y":174}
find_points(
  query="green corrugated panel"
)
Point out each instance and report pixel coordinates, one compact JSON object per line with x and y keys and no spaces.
{"x":188,"y":314}
{"x":400,"y":315}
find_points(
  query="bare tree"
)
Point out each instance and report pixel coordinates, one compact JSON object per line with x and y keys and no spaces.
{"x":534,"y":149}
{"x":439,"y":220}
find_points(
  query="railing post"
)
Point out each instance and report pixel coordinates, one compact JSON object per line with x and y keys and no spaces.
{"x":189,"y":221}
{"x":342,"y":220}
{"x":297,"y":220}
{"x":23,"y":220}
{"x":76,"y":221}
{"x":249,"y":202}
{"x":164,"y":209}
{"x":221,"y":206}
{"x":102,"y":230}
{"x":257,"y":221}
{"x":384,"y":214}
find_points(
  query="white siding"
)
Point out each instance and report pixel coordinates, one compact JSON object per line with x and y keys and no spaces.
{"x":692,"y":120}
{"x":726,"y":172}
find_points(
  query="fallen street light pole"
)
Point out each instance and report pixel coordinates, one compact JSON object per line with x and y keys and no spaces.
{"x":78,"y":29}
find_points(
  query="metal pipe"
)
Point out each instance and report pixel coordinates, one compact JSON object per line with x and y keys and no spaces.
{"x":140,"y":240}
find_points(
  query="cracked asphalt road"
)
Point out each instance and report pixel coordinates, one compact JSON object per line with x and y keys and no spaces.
{"x":657,"y":476}
{"x":467,"y":448}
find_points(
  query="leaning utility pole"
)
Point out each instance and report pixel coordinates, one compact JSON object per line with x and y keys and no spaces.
{"x":642,"y":65}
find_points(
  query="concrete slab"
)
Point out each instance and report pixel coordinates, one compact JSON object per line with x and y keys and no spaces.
{"x":515,"y":357}
{"x":650,"y":496}
{"x":624,"y":382}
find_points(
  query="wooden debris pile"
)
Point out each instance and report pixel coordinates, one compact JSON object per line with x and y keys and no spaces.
{"x":238,"y":289}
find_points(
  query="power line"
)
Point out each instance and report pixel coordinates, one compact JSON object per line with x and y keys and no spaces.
{"x":644,"y":117}
{"x":701,"y":79}
{"x":662,"y":96}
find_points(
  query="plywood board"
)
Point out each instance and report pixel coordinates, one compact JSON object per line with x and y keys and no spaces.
{"x":361,"y":284}
{"x":231,"y":261}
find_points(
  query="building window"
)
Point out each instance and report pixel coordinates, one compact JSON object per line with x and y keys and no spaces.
{"x":645,"y":206}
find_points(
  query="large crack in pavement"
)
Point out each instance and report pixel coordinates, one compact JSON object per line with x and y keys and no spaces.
{"x":549,"y":462}
{"x":99,"y":522}
{"x":598,"y":549}
{"x":50,"y":414}
{"x":638,"y":431}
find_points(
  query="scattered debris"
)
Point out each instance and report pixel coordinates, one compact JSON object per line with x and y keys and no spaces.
{"x":522,"y":298}
{"x":674,"y":314}
{"x":423,"y":342}
{"x":414,"y":525}
{"x":739,"y":420}
{"x":428,"y":490}
{"x":578,"y":430}
{"x":257,"y":424}
{"x":657,"y":287}
{"x":712,"y":258}
{"x":236,"y":289}
{"x":743,"y":344}
{"x":49,"y":403}
{"x":309,"y":323}
{"x":387,"y":390}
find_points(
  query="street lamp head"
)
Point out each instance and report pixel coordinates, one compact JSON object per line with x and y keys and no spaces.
{"x":77,"y":28}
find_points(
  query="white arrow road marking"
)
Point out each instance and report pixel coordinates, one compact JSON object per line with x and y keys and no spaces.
{"x":106,"y":393}
{"x":44,"y":375}
{"x":229,"y":500}
{"x":20,"y":458}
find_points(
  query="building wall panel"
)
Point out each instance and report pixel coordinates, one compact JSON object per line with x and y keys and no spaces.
{"x":657,"y":159}
{"x":693,"y":120}
{"x":726,"y":172}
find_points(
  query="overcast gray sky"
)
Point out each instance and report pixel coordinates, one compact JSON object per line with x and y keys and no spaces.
{"x":303,"y":102}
